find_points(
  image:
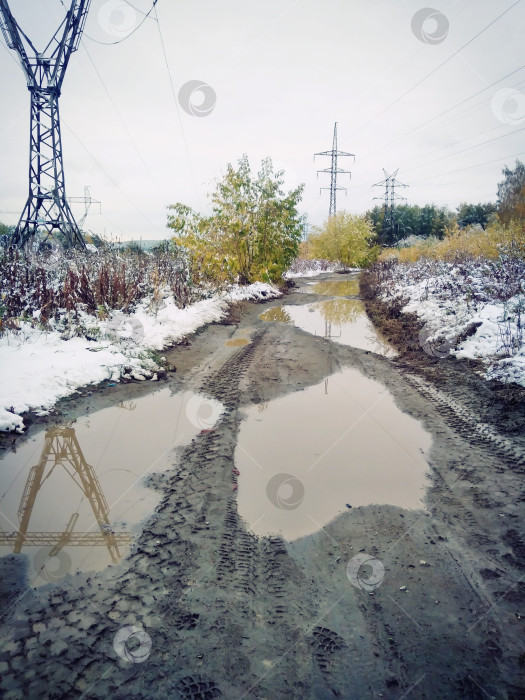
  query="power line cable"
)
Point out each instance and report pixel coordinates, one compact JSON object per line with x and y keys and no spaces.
{"x":119,"y":41}
{"x":418,"y":162}
{"x":99,"y":165}
{"x":449,"y":172}
{"x":152,"y":178}
{"x":469,"y":167}
{"x":156,"y":19}
{"x":463,"y":150}
{"x":468,"y":148}
{"x":434,"y":70}
{"x":176,"y":104}
{"x":446,"y":111}
{"x":136,"y":8}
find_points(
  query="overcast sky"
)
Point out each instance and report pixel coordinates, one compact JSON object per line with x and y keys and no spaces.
{"x":391,"y":73}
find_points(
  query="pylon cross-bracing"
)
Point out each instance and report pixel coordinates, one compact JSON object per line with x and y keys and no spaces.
{"x":334,"y":171}
{"x":390,"y":198}
{"x":47,"y":210}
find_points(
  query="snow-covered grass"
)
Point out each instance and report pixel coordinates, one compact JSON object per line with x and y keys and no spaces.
{"x":474,"y":309}
{"x":301,"y":267}
{"x":38,"y":367}
{"x":57,"y":286}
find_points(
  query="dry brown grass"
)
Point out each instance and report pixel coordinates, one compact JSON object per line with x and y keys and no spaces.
{"x":471,"y":243}
{"x":43,"y":287}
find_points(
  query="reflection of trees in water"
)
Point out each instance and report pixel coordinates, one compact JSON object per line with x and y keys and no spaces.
{"x":336,"y":311}
{"x":340,"y":311}
{"x":336,"y":288}
{"x":276,"y":314}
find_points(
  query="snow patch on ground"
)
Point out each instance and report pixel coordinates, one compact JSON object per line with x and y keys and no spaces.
{"x":38,"y":368}
{"x":467,"y":312}
{"x":311,"y":268}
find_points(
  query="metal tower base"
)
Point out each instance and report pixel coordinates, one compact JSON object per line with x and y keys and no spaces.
{"x":47,"y":211}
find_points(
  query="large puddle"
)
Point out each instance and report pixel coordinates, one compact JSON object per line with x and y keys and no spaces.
{"x":333,"y":288}
{"x":341,"y":320}
{"x":72,"y":498}
{"x":305,"y":458}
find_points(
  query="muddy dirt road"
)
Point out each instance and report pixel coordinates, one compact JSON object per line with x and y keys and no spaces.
{"x":392,"y":600}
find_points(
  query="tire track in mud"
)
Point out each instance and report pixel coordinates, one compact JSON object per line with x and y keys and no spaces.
{"x":474,"y":490}
{"x":252,"y":582}
{"x":244,"y":581}
{"x":258,"y":571}
{"x":269,"y":590}
{"x":467,"y":424}
{"x":274,"y":592}
{"x":167,"y":587}
{"x":235,"y":616}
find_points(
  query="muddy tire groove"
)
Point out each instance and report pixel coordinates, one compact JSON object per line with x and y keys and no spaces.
{"x":467,"y":425}
{"x":236,"y":616}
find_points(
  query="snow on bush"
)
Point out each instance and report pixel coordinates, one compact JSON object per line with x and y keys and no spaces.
{"x":56,"y":287}
{"x":414,"y":240}
{"x":309,"y":268}
{"x":474,"y":309}
{"x":75,"y":320}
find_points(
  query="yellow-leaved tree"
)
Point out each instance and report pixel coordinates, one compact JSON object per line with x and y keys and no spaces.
{"x":346,"y":238}
{"x":253,"y":232}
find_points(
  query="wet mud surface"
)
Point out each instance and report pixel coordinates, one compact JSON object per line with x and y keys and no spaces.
{"x":381,"y":601}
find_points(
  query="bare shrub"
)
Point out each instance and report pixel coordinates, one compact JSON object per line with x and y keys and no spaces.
{"x":45,"y":286}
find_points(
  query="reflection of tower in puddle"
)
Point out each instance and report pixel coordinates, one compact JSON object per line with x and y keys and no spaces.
{"x":328,"y":330}
{"x":61,"y":449}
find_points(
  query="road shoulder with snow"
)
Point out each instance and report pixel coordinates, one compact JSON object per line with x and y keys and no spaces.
{"x":228,"y":613}
{"x":38,"y":368}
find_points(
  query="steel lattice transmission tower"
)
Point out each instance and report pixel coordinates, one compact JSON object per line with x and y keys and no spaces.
{"x":390,"y":198}
{"x":334,"y":170}
{"x":87,"y":200}
{"x":47,"y":208}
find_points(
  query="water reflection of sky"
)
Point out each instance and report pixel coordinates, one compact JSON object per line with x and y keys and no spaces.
{"x":303,"y":457}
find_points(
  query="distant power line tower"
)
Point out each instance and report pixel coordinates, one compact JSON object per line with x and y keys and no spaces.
{"x":390,"y":198}
{"x":334,"y":171}
{"x":87,"y":200}
{"x":47,"y":208}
